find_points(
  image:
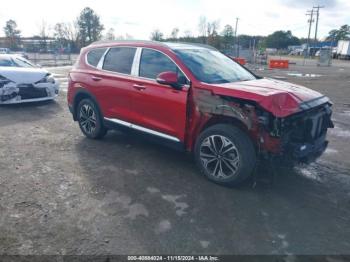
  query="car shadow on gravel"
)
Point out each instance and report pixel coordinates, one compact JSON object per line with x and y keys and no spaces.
{"x":123,"y":152}
{"x":13,"y":113}
{"x":174,"y":202}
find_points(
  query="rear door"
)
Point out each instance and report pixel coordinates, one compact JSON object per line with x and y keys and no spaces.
{"x":159,"y":107}
{"x":116,"y":83}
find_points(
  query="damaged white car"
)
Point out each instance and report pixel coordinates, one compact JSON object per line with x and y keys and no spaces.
{"x":21,"y":81}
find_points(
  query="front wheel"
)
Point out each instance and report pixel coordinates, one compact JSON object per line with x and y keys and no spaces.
{"x":225,"y":154}
{"x":90,"y":120}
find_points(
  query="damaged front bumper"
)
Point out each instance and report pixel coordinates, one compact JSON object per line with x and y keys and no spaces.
{"x":12,"y":93}
{"x":306,"y":152}
{"x":301,"y":137}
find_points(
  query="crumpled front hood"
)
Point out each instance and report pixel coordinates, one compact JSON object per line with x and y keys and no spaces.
{"x":278,"y":97}
{"x":21,"y":75}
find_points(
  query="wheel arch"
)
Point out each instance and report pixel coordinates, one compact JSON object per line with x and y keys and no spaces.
{"x":80,"y":95}
{"x":222,"y":119}
{"x":219,"y":119}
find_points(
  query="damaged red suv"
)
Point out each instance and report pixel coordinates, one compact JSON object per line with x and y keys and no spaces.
{"x":194,"y":98}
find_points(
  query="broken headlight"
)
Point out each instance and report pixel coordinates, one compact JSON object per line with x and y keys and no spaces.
{"x":4,"y":81}
{"x":47,"y":79}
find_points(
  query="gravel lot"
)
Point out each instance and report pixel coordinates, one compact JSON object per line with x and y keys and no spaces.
{"x":61,"y":193}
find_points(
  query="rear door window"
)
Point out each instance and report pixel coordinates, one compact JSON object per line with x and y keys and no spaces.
{"x":94,"y":56}
{"x":119,"y":59}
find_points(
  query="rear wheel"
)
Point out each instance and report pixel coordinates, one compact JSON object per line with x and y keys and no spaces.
{"x":90,"y":119}
{"x":225,"y":154}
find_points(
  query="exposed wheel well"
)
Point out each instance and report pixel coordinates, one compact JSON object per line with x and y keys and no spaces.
{"x":222,"y":120}
{"x":225,"y":120}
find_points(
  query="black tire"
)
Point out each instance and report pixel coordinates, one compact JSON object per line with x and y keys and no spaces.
{"x":95,"y":120}
{"x":235,"y":165}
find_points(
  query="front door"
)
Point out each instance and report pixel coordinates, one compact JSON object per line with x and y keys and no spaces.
{"x":159,"y":107}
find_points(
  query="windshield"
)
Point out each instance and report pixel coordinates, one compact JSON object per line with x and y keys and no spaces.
{"x":212,"y":67}
{"x":22,"y":62}
{"x":15,"y":62}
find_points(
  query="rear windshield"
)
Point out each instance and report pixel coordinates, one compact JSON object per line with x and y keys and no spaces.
{"x":212,"y":67}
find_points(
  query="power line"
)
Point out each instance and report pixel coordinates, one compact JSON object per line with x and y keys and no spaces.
{"x":236,"y":40}
{"x":317,"y":8}
{"x":310,"y":21}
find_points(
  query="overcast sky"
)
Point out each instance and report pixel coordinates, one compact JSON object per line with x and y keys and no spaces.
{"x":138,"y":18}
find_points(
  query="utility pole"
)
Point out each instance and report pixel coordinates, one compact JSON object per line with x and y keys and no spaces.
{"x":310,"y":21}
{"x":236,"y":42}
{"x":317,"y":8}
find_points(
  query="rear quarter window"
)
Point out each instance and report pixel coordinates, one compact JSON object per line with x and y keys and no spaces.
{"x":94,"y":56}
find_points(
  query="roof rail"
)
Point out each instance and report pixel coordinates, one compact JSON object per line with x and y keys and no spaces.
{"x":167,"y":44}
{"x":196,"y":44}
{"x":125,"y":41}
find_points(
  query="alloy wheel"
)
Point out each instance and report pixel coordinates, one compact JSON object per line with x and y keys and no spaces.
{"x":87,"y":118}
{"x":219,"y":156}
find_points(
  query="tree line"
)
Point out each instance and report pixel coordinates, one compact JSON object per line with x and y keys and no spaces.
{"x":87,"y":28}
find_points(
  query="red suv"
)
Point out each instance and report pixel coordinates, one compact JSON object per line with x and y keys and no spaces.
{"x":196,"y":99}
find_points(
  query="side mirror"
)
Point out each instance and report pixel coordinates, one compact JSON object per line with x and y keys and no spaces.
{"x":169,"y":78}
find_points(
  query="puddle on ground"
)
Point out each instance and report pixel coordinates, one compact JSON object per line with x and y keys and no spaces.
{"x":308,"y":171}
{"x":279,"y":77}
{"x":303,"y":75}
{"x":330,"y":151}
{"x":337,"y":131}
{"x":346,"y":112}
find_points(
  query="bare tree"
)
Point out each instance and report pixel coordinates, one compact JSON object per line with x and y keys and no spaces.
{"x":128,"y":37}
{"x":202,"y":26}
{"x":156,"y":35}
{"x":213,"y":36}
{"x":212,"y":28}
{"x":44,"y":34}
{"x":110,"y":34}
{"x":66,"y":34}
{"x":174,"y":33}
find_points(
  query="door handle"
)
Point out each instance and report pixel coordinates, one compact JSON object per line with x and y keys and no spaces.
{"x":139,"y":87}
{"x":95,"y":78}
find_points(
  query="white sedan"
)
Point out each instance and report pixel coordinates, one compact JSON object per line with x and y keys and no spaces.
{"x":21,"y":81}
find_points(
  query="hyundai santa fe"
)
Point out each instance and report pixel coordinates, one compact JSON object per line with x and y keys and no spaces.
{"x":194,"y":98}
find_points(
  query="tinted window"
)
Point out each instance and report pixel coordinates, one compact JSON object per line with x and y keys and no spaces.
{"x":5,"y":62}
{"x":94,"y":56}
{"x":153,"y":63}
{"x":213,"y":67}
{"x":119,"y":59}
